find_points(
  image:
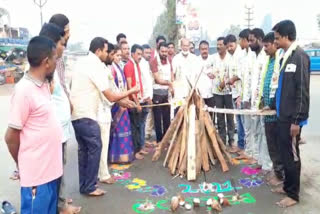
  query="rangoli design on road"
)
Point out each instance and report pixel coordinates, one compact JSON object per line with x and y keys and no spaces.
{"x":250,"y":171}
{"x":251,"y":182}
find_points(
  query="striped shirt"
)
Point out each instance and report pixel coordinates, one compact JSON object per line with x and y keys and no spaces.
{"x":266,"y":91}
{"x":60,"y":69}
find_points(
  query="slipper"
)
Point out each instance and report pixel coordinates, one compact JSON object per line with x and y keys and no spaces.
{"x":7,"y":208}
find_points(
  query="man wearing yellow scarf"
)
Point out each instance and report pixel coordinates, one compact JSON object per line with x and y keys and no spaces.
{"x":270,"y":83}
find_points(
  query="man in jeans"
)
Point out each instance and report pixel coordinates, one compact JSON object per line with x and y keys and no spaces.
{"x":90,"y":88}
{"x":138,"y":116}
{"x":34,"y":134}
{"x":163,"y":76}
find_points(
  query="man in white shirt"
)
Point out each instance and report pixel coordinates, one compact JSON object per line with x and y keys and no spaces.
{"x":148,"y":80}
{"x":222,"y":91}
{"x":255,"y":41}
{"x":185,"y":69}
{"x":162,"y":72}
{"x":235,"y":82}
{"x":205,"y":84}
{"x":246,"y":74}
{"x":90,"y":88}
{"x":105,"y":122}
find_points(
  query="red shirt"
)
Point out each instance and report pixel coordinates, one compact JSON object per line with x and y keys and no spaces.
{"x":130,"y":73}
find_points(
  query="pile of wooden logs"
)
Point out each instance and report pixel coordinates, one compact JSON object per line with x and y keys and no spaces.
{"x":192,"y":141}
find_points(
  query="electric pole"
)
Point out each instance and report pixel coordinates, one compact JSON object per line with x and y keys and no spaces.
{"x":249,"y":16}
{"x":40,"y":4}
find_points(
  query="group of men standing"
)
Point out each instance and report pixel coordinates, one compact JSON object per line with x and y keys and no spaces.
{"x":258,"y":72}
{"x":261,"y":72}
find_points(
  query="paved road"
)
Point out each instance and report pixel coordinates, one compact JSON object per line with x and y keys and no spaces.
{"x":145,"y":180}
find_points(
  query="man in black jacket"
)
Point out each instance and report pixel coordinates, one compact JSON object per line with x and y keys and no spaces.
{"x":292,"y":105}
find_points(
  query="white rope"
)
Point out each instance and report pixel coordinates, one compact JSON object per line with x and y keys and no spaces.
{"x":241,"y":111}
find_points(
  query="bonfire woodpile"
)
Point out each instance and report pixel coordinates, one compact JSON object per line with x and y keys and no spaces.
{"x":192,"y":141}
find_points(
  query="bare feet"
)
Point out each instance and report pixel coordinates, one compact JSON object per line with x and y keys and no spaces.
{"x":144,"y":151}
{"x":69,"y":200}
{"x":278,"y":190}
{"x":151,"y":144}
{"x":240,"y":152}
{"x":275,"y":181}
{"x":234,"y":149}
{"x":97,"y":192}
{"x":242,"y":156}
{"x":111,"y":180}
{"x":139,"y":156}
{"x":287,"y":202}
{"x":252,"y":161}
{"x":69,"y":209}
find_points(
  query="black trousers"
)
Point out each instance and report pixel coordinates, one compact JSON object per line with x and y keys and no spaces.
{"x":292,"y":168}
{"x":274,"y":149}
{"x":210,"y":102}
{"x":225,"y":101}
{"x":138,"y":122}
{"x":161,"y":116}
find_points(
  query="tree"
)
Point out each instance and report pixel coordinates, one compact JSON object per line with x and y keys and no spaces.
{"x":233,"y":29}
{"x":166,"y":24}
{"x":318,"y":21}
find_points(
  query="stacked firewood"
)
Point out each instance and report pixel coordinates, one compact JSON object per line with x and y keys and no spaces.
{"x":192,"y":141}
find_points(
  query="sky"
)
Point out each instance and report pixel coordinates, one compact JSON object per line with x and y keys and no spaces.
{"x":136,"y":18}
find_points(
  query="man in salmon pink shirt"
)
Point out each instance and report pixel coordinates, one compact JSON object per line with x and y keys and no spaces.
{"x":34,"y":134}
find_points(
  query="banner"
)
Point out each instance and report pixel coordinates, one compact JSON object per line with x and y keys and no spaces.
{"x":187,"y":14}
